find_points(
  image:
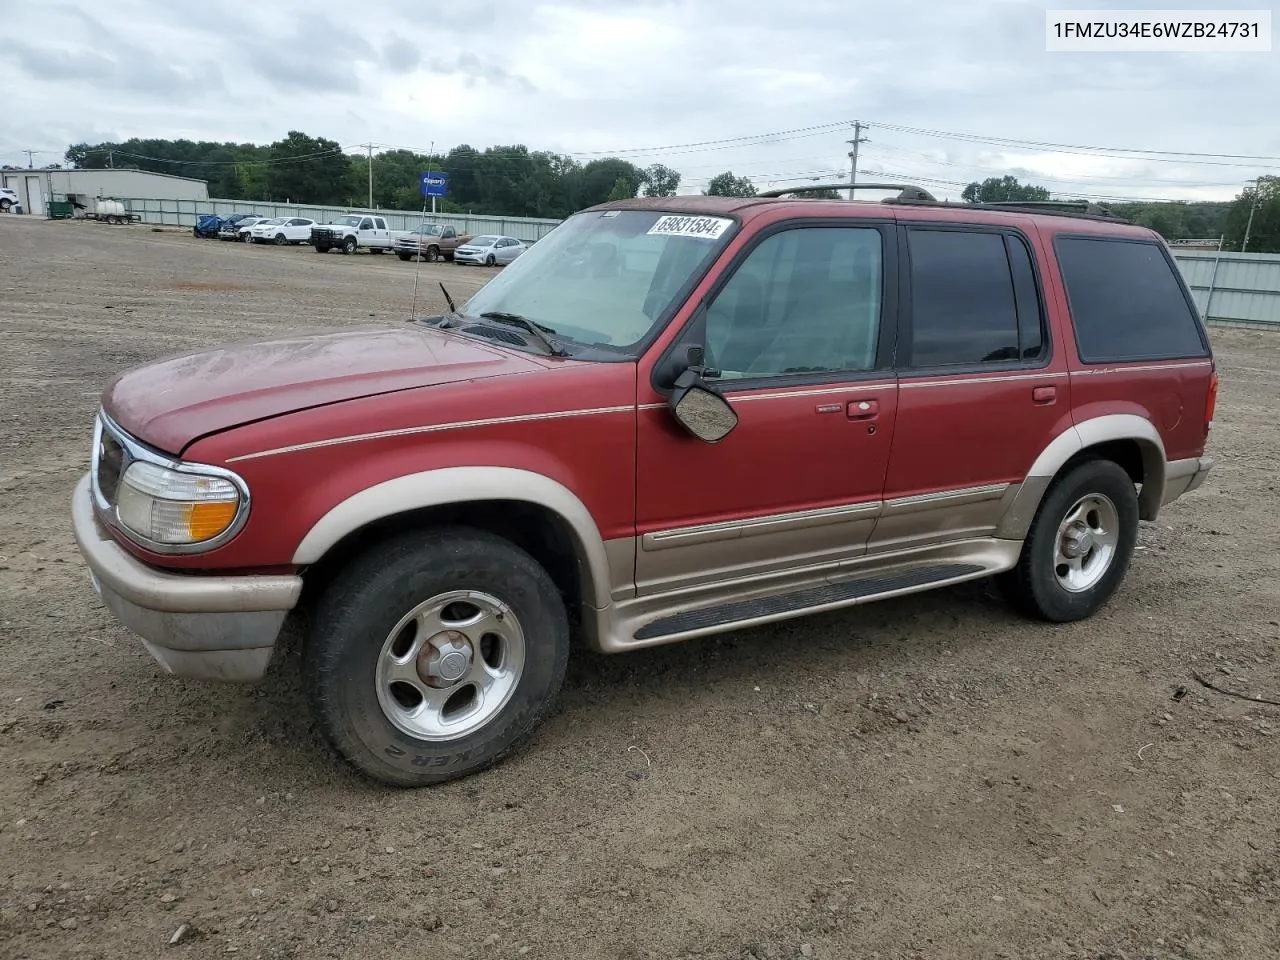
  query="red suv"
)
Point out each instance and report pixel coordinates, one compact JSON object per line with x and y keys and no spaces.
{"x":671,"y":417}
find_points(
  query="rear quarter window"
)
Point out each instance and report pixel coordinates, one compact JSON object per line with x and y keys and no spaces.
{"x":1126,"y":301}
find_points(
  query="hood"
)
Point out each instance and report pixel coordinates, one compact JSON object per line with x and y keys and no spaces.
{"x":174,"y":401}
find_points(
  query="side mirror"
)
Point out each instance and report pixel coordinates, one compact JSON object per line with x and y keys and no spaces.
{"x":700,"y":410}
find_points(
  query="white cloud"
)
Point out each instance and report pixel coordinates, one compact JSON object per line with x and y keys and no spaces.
{"x":594,"y":75}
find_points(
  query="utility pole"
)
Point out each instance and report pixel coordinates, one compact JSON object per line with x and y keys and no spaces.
{"x":370,"y":148}
{"x":31,"y":158}
{"x":853,"y":154}
{"x":1248,"y":226}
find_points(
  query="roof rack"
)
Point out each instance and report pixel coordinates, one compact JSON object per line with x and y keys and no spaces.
{"x":910,"y":194}
{"x":1081,"y":209}
{"x":906,"y":191}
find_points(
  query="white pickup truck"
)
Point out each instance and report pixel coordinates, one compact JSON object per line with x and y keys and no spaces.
{"x":354,"y":231}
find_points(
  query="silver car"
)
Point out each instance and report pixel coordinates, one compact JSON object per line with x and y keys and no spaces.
{"x":490,"y":250}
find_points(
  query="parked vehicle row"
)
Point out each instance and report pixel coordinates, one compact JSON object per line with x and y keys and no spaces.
{"x":356,"y":231}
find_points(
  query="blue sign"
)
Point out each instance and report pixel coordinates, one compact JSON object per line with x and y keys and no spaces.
{"x":434,"y":184}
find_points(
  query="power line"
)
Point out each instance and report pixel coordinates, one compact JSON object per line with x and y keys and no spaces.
{"x":1061,"y":193}
{"x":1080,"y":178}
{"x":1069,"y":146}
{"x":223,"y":163}
{"x":1114,"y":153}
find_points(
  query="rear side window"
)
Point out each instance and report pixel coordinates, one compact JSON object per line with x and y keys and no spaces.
{"x":973,"y":299}
{"x":1126,"y":302}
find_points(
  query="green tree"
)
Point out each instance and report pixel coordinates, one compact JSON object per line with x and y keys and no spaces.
{"x":660,"y":181}
{"x":308,"y":170}
{"x":623,"y":189}
{"x":1002,"y":190}
{"x":1262,"y":200}
{"x":727,"y":185}
{"x":598,"y":181}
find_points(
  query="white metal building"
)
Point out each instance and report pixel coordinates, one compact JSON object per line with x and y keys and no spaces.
{"x":35,"y":187}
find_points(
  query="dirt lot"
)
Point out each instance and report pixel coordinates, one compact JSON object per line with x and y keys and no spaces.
{"x":925,"y":778}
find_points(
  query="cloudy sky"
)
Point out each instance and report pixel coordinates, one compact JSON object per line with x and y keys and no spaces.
{"x":765,"y":89}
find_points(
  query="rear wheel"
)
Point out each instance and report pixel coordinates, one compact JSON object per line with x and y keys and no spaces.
{"x":435,"y":655}
{"x":1079,"y":546}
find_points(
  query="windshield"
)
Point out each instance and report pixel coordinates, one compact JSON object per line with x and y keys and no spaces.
{"x":348,"y":221}
{"x":482,"y":242}
{"x":605,"y":277}
{"x":269,"y":223}
{"x":429,"y":230}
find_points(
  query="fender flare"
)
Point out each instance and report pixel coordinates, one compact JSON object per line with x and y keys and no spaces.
{"x":1081,"y":436}
{"x":433,"y":488}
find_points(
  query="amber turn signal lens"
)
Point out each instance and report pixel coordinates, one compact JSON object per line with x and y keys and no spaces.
{"x":207,"y":520}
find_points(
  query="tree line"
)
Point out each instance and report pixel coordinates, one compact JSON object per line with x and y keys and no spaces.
{"x":515,"y":181}
{"x":508,"y":180}
{"x":1173,"y":220}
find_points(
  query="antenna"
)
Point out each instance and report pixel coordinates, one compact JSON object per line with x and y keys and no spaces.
{"x":417,"y":267}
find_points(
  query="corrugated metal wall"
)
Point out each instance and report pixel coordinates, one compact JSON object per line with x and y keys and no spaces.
{"x":1237,"y":288}
{"x":182,"y":213}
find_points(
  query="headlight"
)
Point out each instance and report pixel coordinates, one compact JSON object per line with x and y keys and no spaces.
{"x":175,"y":507}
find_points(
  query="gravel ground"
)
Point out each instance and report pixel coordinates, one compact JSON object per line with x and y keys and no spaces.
{"x":925,"y":778}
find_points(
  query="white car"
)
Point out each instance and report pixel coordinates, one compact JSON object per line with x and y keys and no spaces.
{"x":9,"y":199}
{"x":281,"y":230}
{"x":490,"y":250}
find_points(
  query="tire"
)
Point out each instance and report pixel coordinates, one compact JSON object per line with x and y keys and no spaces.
{"x":5,"y":205}
{"x":322,"y":248}
{"x":378,"y":250}
{"x":358,"y":619}
{"x":281,"y":240}
{"x":433,"y":254}
{"x":349,"y":245}
{"x":1047,"y":584}
{"x":405,"y":256}
{"x":490,"y":260}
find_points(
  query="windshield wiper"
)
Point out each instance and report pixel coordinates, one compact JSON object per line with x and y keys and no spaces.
{"x":537,"y":329}
{"x":452,"y":318}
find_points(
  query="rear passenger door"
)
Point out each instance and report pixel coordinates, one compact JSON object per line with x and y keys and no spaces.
{"x":982,"y":389}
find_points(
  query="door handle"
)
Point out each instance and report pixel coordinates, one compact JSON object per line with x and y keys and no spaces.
{"x":1045,"y":395}
{"x":862,"y":409}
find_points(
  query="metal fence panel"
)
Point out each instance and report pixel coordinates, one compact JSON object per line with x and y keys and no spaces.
{"x":1239,"y":288}
{"x":183,"y":213}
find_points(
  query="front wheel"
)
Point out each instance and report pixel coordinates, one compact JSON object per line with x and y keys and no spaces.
{"x":436,"y":654}
{"x":433,"y":254}
{"x":5,"y":205}
{"x":281,"y":240}
{"x":405,"y":256}
{"x":322,"y":248}
{"x":349,"y":245}
{"x":1079,"y":546}
{"x":490,"y":260}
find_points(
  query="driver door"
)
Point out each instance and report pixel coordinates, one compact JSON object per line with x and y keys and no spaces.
{"x":800,"y":331}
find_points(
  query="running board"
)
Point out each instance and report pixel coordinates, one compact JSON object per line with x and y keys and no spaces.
{"x":811,"y":599}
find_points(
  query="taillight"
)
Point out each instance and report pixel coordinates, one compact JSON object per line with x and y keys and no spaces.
{"x":1211,"y":400}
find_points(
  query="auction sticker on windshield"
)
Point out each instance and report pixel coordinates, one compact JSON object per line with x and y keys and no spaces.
{"x":707,"y":228}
